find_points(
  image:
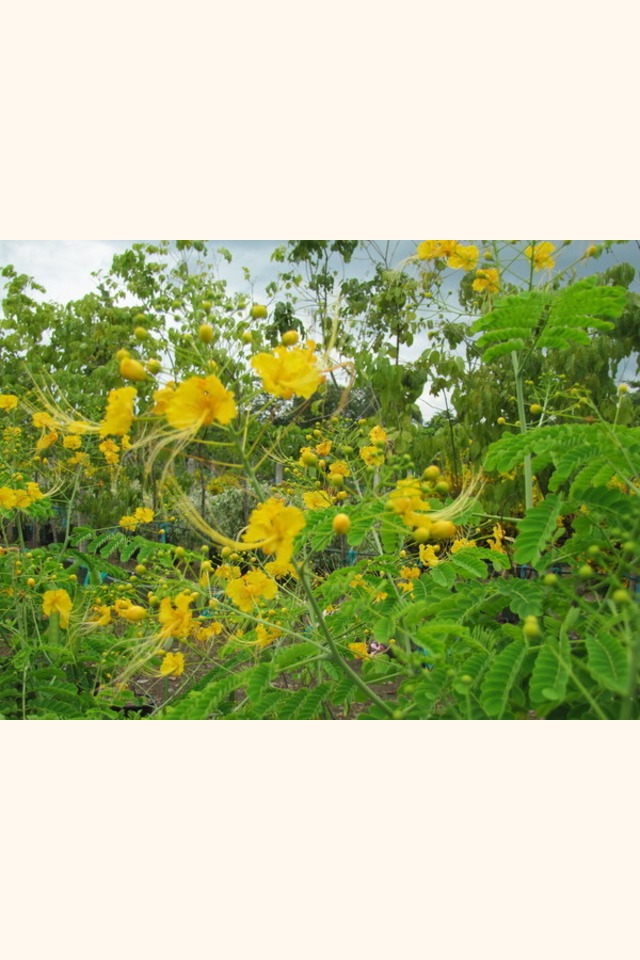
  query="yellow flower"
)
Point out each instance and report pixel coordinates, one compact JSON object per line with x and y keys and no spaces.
{"x":119,"y":414}
{"x":198,"y":402}
{"x":34,"y":491}
{"x":380,"y":596}
{"x":339,"y":468}
{"x":212,"y":629}
{"x":324,"y":449}
{"x":407,"y":501}
{"x":23,"y":500}
{"x":128,"y":522}
{"x":428,"y":555}
{"x":162,"y":398}
{"x":143,"y":514}
{"x":360,"y":650}
{"x":57,"y":601}
{"x":316,"y":500}
{"x":378,"y":435}
{"x":105,"y":615}
{"x":250,"y":588}
{"x":499,"y":536}
{"x":273,"y":526}
{"x":358,"y":581}
{"x":81,"y":457}
{"x":372,"y":456}
{"x":46,"y":440}
{"x":266,"y":635}
{"x":463,"y":258}
{"x":406,"y":586}
{"x":175,"y":615}
{"x":7,"y":498}
{"x":487,"y":279}
{"x":288,"y":372}
{"x":278,"y":570}
{"x":410,"y":573}
{"x":226,"y":572}
{"x":461,"y":543}
{"x":8,"y":401}
{"x":172,"y":665}
{"x":432,"y":249}
{"x":72,"y":443}
{"x":125,"y":443}
{"x":43,"y":420}
{"x":540,"y":253}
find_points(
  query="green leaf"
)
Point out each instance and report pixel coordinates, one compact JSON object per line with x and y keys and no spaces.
{"x":383,"y":629}
{"x":608,"y":662}
{"x":258,"y":680}
{"x":501,"y":678}
{"x":391,"y":534}
{"x":443,"y":574}
{"x":311,"y":703}
{"x":525,"y":597}
{"x":288,"y":658}
{"x":550,"y":672}
{"x":201,"y":704}
{"x":537,"y":528}
{"x":502,"y":349}
{"x":467,"y":564}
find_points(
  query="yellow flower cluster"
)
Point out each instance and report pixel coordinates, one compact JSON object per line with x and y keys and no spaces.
{"x":372,"y":456}
{"x":11,"y":498}
{"x":247,"y":590}
{"x":140,"y":515}
{"x":288,"y":372}
{"x":196,"y":403}
{"x":461,"y":543}
{"x":339,"y":468}
{"x":487,"y":280}
{"x":360,"y":650}
{"x":458,"y":256}
{"x":408,"y":502}
{"x":110,"y":450}
{"x":540,"y":255}
{"x":323,"y":449}
{"x":266,"y":635}
{"x":378,"y":435}
{"x":8,"y":401}
{"x":172,"y":665}
{"x":435,"y":249}
{"x":119,"y":413}
{"x":57,"y":601}
{"x":428,"y":555}
{"x":273,"y":527}
{"x":316,"y":500}
{"x":278,"y":570}
{"x":175,"y":616}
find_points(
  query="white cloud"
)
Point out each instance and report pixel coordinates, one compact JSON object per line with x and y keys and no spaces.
{"x":63,"y":267}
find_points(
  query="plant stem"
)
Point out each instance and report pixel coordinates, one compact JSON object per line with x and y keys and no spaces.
{"x":344,"y":666}
{"x":522,"y":417}
{"x":627,"y":703}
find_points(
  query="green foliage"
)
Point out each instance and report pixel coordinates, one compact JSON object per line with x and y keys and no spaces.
{"x":550,"y":675}
{"x":361,"y":626}
{"x":501,"y":677}
{"x":551,"y":320}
